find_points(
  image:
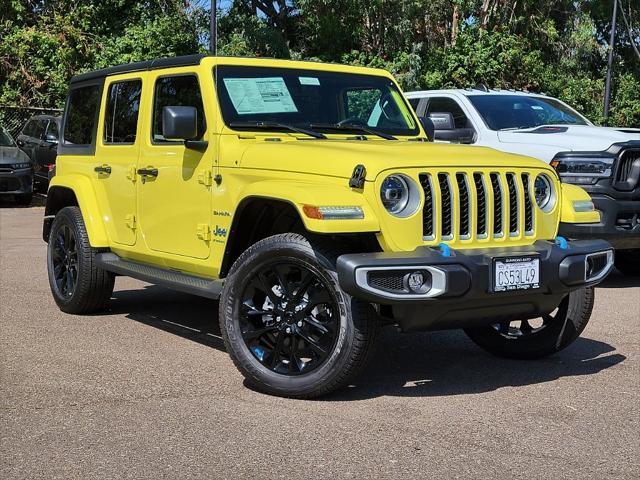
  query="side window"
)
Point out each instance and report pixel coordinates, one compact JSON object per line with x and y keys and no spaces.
{"x":80,"y":122}
{"x":52,"y":130}
{"x":29,"y":128}
{"x":448,"y":105}
{"x":182,"y":90}
{"x":121,"y":112}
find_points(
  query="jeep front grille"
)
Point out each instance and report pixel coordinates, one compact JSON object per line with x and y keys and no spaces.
{"x":477,"y":205}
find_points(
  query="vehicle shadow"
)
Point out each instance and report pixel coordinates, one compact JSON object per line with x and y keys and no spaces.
{"x":187,"y":316}
{"x":416,"y":364}
{"x":618,"y":280}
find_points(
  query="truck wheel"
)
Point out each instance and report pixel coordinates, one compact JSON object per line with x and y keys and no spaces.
{"x":628,"y":262}
{"x":289,"y":328}
{"x":77,"y":284}
{"x":531,"y":339}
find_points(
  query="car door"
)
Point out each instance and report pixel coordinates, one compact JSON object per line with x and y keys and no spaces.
{"x":117,"y":150}
{"x":174,"y":187}
{"x":47,"y":150}
{"x":29,"y":139}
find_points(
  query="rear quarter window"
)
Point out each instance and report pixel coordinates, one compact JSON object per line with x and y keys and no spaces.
{"x":81,"y":115}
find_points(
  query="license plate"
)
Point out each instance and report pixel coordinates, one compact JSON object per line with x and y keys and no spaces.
{"x":516,"y":273}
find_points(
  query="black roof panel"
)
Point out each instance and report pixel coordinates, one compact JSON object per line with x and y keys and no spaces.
{"x":182,"y":61}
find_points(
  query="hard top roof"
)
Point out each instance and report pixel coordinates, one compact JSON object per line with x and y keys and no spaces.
{"x":188,"y":60}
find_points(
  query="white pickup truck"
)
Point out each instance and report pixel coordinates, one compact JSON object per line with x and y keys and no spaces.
{"x":604,"y":161}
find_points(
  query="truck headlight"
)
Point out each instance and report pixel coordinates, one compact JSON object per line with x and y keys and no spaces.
{"x":583,"y":170}
{"x":544,"y":192}
{"x":400,"y":195}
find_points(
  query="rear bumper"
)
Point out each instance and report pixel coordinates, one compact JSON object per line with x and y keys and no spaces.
{"x":16,"y":182}
{"x":460,"y":289}
{"x":619,"y":223}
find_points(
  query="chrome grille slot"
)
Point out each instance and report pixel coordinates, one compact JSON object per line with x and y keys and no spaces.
{"x":465,"y":206}
{"x":497,"y":205}
{"x":625,"y":179}
{"x":427,"y":210}
{"x":513,"y":204}
{"x":482,"y":201}
{"x":447,"y":206}
{"x":528,"y":206}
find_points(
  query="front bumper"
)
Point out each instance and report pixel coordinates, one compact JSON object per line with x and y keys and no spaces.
{"x":16,"y":182}
{"x":619,"y":223}
{"x":461,"y":292}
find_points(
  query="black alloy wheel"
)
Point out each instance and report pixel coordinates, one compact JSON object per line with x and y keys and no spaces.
{"x":65,"y":261}
{"x":288,"y":318}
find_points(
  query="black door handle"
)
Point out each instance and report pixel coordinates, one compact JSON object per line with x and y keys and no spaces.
{"x":103,"y":169}
{"x":148,"y":172}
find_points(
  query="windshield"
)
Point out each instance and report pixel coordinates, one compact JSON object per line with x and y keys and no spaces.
{"x":311,"y":99}
{"x":5,"y":139}
{"x":506,"y":112}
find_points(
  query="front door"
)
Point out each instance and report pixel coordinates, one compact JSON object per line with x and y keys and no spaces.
{"x":117,"y":150}
{"x":47,"y":151}
{"x":174,"y":182}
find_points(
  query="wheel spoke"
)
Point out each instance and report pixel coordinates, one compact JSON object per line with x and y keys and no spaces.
{"x":316,"y":324}
{"x":275,"y":357}
{"x":282,"y":281}
{"x":263,"y":285}
{"x":314,"y":346}
{"x":525,"y":327}
{"x":307,"y":280}
{"x":253,"y":334}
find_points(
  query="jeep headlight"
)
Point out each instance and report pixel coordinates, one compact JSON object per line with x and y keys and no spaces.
{"x":544,"y":192}
{"x":400,"y":195}
{"x":583,"y":170}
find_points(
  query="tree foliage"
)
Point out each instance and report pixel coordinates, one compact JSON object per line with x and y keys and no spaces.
{"x":556,"y":46}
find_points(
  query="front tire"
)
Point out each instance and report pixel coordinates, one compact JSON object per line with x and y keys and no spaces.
{"x":628,"y":262}
{"x":531,"y":339}
{"x":78,"y":285}
{"x":289,"y":328}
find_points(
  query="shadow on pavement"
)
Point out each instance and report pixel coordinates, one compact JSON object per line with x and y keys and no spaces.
{"x":416,"y":364}
{"x":188,"y":316}
{"x":618,"y":280}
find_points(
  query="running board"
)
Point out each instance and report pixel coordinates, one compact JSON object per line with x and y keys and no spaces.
{"x":175,"y":280}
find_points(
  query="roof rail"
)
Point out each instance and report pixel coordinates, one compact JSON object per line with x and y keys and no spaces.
{"x":182,"y":61}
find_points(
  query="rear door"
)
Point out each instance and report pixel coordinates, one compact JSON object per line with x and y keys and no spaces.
{"x":117,"y":149}
{"x":29,"y":139}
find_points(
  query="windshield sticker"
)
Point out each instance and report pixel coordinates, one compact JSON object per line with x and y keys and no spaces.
{"x":259,"y":95}
{"x":309,"y":81}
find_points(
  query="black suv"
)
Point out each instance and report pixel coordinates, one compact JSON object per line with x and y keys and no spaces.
{"x":39,"y":140}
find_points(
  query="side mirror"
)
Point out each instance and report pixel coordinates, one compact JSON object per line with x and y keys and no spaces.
{"x":429,"y":127}
{"x":179,"y":123}
{"x":51,"y":138}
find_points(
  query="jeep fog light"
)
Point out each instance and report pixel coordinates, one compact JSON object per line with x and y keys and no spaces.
{"x":418,"y":281}
{"x":333,"y":212}
{"x":400,"y":195}
{"x":583,"y":206}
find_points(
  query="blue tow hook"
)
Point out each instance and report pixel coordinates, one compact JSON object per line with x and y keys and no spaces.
{"x":562,"y":242}
{"x":445,"y":250}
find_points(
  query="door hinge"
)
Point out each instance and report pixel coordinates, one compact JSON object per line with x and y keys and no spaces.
{"x":204,"y":232}
{"x":131,"y":173}
{"x":206,"y":178}
{"x":130,"y":221}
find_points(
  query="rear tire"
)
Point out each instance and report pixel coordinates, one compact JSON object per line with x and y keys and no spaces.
{"x":78,"y":285}
{"x":628,"y":262}
{"x":527,"y":341}
{"x":287,"y":325}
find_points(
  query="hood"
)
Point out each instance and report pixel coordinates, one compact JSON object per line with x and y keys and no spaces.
{"x":9,"y":155}
{"x":337,"y":158}
{"x":584,"y":138}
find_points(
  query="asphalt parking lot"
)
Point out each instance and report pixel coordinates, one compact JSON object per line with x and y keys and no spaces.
{"x":146,"y":390}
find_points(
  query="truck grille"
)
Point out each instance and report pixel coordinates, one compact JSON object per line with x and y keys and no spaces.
{"x":477,"y":205}
{"x":626,"y":165}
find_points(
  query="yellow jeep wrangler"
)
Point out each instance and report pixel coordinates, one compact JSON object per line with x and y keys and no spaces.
{"x":307,"y":199}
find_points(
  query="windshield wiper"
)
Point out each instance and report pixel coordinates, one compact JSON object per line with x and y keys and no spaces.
{"x":353,"y":127}
{"x":271,"y":125}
